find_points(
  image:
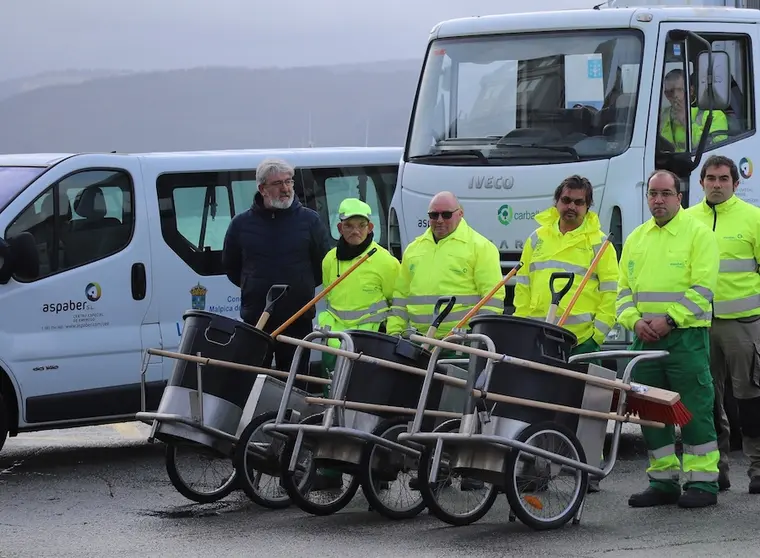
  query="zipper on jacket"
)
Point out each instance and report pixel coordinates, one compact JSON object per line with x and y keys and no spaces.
{"x":715,"y":217}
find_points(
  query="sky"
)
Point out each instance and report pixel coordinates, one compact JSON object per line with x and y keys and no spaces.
{"x":39,"y":36}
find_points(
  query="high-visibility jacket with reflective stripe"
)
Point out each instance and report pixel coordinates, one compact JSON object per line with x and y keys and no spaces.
{"x":464,"y":264}
{"x":676,"y":133}
{"x":361,"y":300}
{"x":546,"y":251}
{"x":670,"y":270}
{"x":737,"y":227}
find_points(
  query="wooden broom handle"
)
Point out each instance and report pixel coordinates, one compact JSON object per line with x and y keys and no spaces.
{"x":321,"y":295}
{"x":586,"y":277}
{"x":482,"y":301}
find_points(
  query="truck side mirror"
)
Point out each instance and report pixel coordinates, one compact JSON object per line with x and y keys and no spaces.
{"x":19,"y":257}
{"x":721,"y":82}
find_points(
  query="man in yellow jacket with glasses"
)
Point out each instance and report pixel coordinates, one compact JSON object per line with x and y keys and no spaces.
{"x":735,"y":331}
{"x":568,"y":240}
{"x":668,"y":273}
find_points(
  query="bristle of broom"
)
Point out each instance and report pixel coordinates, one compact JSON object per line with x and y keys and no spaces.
{"x":676,"y":414}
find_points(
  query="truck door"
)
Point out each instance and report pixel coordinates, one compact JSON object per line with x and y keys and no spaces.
{"x":676,"y":78}
{"x":73,"y":333}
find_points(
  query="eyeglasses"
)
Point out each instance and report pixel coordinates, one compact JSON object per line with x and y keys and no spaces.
{"x":578,"y":202}
{"x":445,"y":214}
{"x":278,"y":183}
{"x":666,"y":194}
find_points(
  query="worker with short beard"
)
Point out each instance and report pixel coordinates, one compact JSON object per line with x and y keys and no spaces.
{"x":567,"y":240}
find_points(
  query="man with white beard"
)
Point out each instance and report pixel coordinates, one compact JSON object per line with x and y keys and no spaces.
{"x":277,"y":241}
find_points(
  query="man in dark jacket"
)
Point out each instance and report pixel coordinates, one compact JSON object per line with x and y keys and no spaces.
{"x":277,"y":241}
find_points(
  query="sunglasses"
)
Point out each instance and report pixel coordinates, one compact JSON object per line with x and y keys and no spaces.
{"x":578,"y":202}
{"x":445,"y":214}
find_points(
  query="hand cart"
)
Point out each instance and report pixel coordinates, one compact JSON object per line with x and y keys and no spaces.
{"x":524,"y":431}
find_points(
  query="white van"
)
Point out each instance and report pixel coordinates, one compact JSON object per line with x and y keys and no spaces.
{"x":126,"y":244}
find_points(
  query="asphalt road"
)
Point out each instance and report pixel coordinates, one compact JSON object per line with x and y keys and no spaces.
{"x":103,"y":491}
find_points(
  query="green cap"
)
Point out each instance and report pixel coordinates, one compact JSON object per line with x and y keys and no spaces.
{"x":353,"y":207}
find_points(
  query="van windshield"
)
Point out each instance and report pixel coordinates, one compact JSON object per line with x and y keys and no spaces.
{"x":530,"y":98}
{"x":15,"y":179}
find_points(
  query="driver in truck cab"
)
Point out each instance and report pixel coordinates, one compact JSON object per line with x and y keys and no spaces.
{"x":673,"y":118}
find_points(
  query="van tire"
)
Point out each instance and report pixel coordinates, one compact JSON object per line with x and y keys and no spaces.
{"x":4,"y":422}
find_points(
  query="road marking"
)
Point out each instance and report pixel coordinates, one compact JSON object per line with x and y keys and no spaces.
{"x":129,"y":430}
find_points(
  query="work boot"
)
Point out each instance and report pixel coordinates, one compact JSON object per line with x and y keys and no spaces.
{"x":724,"y":483}
{"x":696,"y":498}
{"x":754,"y":485}
{"x":652,"y":497}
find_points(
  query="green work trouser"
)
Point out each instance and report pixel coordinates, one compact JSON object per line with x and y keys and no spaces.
{"x":588,"y":346}
{"x":685,"y":370}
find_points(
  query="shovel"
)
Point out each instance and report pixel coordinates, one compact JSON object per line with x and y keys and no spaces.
{"x":557,"y":295}
{"x":275,"y":293}
{"x":440,"y":315}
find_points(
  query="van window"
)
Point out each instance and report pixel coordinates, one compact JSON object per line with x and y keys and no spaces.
{"x":196,"y":209}
{"x":83,"y":218}
{"x":372,"y":184}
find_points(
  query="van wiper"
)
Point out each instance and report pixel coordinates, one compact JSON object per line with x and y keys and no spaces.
{"x":477,"y":153}
{"x":559,"y":148}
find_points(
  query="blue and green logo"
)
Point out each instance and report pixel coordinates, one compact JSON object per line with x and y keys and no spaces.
{"x":505,"y":214}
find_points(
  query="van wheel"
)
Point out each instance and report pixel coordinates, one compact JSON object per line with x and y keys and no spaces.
{"x":4,"y":421}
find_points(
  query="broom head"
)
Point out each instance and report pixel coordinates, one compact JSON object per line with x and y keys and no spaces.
{"x":645,"y":408}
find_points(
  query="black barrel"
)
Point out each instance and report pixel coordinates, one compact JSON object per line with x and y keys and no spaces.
{"x":381,"y":385}
{"x":536,"y":341}
{"x":221,"y":338}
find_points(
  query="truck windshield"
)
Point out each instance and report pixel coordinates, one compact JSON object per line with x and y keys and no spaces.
{"x":529,"y":98}
{"x":15,"y":179}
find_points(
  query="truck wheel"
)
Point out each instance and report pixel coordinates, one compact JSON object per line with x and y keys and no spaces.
{"x":4,"y":421}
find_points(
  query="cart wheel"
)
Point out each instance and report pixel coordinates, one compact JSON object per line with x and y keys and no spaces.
{"x":386,"y":475}
{"x":257,"y":463}
{"x":215,"y":477}
{"x":450,"y":500}
{"x":535,"y":485}
{"x":302,"y":485}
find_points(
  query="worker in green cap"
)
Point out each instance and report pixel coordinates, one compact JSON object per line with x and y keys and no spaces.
{"x":363,"y":298}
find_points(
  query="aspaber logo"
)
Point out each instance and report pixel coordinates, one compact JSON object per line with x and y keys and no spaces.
{"x":93,"y":292}
{"x":506,"y":215}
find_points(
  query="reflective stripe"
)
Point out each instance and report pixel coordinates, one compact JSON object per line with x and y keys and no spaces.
{"x":349,"y":315}
{"x":623,"y":307}
{"x":731,"y":266}
{"x":579,"y":319}
{"x":452,"y":317}
{"x":523,"y":279}
{"x":672,"y":474}
{"x":678,"y":298}
{"x":701,"y":476}
{"x":606,"y":286}
{"x":738,"y":305}
{"x":433,"y":299}
{"x":701,"y":449}
{"x":663,"y":452}
{"x":556,"y":264}
{"x":624,"y":293}
{"x":598,"y":247}
{"x":399,"y":313}
{"x":603,"y":328}
{"x":650,"y":315}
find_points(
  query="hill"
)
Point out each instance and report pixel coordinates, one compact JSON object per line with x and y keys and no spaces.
{"x":209,"y":108}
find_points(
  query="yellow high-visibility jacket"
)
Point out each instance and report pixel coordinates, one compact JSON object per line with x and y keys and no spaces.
{"x":546,"y":251}
{"x":464,"y":264}
{"x":737,"y":228}
{"x":362,"y":300}
{"x":670,"y":270}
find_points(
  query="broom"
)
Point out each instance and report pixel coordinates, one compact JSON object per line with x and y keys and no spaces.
{"x":637,"y":403}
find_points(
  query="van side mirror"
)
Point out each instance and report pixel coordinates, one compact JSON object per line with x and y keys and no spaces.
{"x":19,"y":257}
{"x":721,"y":81}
